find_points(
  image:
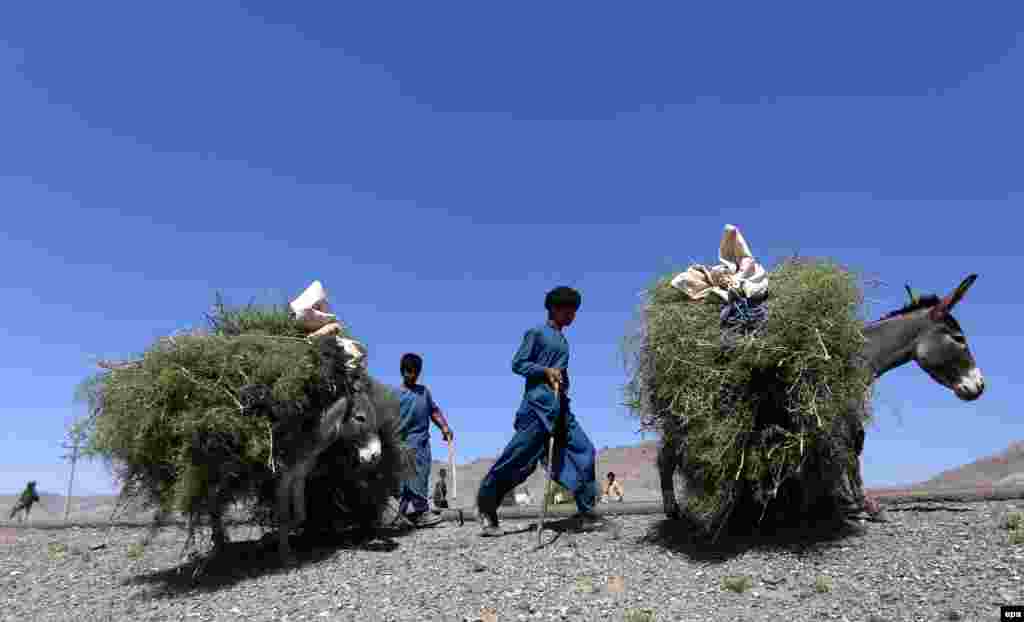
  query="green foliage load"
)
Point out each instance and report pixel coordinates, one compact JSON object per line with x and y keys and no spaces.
{"x":757,"y":413}
{"x":216,"y":409}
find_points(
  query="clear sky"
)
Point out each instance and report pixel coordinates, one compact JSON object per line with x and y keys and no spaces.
{"x":440,"y":166}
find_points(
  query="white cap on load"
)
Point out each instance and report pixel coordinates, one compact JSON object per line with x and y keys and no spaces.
{"x":311,"y":307}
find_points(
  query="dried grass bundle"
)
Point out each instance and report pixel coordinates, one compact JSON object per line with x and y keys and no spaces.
{"x":751,"y":411}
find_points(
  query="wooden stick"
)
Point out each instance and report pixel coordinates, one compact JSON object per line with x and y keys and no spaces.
{"x":550,"y":472}
{"x":451,"y":465}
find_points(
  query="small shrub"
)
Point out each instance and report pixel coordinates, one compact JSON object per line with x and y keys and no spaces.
{"x":823,"y":584}
{"x":1014,"y":520}
{"x":738,"y":584}
{"x":57,"y":550}
{"x":135,"y":550}
{"x":639,"y":615}
{"x":1017,"y":536}
{"x":585,"y":585}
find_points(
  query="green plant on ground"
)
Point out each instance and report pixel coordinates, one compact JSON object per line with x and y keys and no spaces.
{"x":738,"y":584}
{"x":135,"y":550}
{"x":1017,"y":536}
{"x":823,"y":584}
{"x":585,"y":585}
{"x":1014,"y":520}
{"x":57,"y":550}
{"x":756,"y":410}
{"x":639,"y":615}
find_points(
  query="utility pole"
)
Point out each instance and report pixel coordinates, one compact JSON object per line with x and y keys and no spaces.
{"x":76,"y":434}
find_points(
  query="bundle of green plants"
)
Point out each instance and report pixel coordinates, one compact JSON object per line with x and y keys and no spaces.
{"x":763,"y":415}
{"x":204,"y":420}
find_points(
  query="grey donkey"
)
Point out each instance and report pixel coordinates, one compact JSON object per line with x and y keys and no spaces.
{"x":924,"y":331}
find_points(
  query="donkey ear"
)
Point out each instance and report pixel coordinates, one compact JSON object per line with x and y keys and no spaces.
{"x":910,"y":292}
{"x":950,"y":301}
{"x":961,"y":290}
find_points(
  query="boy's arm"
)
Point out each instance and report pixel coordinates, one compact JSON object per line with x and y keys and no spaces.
{"x":438,"y":418}
{"x":522,"y":362}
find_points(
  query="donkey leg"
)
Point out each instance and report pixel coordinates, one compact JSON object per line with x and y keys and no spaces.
{"x":217,"y":531}
{"x":666,"y":473}
{"x":158,"y":520}
{"x":299,"y":497}
{"x":284,"y":517}
{"x":219,"y":534}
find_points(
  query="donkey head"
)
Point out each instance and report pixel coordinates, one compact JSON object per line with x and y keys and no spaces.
{"x":942,"y":351}
{"x":352,"y":421}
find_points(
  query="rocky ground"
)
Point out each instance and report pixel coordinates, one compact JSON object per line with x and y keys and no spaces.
{"x":931,"y":562}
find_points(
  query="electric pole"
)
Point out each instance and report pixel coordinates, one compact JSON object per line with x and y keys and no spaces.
{"x":76,"y":435}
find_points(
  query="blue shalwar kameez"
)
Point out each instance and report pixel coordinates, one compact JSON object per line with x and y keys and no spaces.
{"x":414,"y":426}
{"x":575,"y":457}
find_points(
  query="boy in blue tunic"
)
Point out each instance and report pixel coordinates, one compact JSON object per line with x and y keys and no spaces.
{"x":543,"y":360}
{"x":417,"y":411}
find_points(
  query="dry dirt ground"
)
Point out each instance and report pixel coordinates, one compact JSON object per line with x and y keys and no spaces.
{"x":930,"y":562}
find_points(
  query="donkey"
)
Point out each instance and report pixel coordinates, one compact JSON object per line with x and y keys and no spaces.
{"x":23,"y":506}
{"x":924,"y":331}
{"x":357,"y":419}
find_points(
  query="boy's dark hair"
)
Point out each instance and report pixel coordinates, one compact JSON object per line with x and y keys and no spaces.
{"x":411,"y":362}
{"x":443,"y":471}
{"x":611,"y":475}
{"x":563,"y":297}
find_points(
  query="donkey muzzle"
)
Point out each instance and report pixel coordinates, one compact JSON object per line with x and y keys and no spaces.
{"x":970,"y":386}
{"x":370,"y":453}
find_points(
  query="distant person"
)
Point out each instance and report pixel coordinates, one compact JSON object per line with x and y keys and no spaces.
{"x":417,"y":411}
{"x":28,"y":498}
{"x":441,"y":490}
{"x":612,"y":488}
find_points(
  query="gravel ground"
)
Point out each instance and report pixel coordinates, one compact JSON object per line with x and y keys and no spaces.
{"x":931,"y":562}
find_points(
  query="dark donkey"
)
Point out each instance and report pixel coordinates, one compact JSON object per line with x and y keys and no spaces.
{"x":924,"y":331}
{"x":361,"y":422}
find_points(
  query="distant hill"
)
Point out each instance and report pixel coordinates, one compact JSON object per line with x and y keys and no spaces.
{"x":1003,"y":469}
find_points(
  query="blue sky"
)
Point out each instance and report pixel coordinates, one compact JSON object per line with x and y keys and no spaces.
{"x":439,"y":167}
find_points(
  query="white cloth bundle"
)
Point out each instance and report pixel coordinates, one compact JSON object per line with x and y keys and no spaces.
{"x":312,"y":310}
{"x":737,"y":274}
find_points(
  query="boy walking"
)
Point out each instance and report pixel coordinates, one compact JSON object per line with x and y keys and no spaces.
{"x":543,"y":361}
{"x":417,"y":411}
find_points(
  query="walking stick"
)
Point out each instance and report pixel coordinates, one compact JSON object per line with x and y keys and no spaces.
{"x":550,"y":473}
{"x":451,"y":466}
{"x":455,"y":491}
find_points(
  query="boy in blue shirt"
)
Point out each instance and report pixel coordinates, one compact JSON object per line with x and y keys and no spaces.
{"x":543,"y":360}
{"x":417,"y":411}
